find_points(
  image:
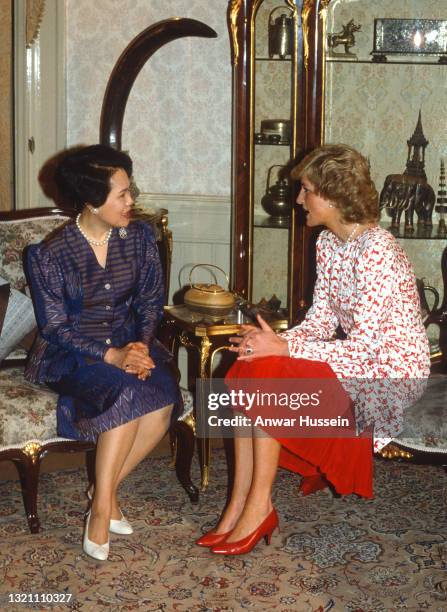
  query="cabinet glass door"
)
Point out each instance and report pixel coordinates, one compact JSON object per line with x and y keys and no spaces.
{"x":377,"y":101}
{"x":266,"y":45}
{"x":272,"y":143}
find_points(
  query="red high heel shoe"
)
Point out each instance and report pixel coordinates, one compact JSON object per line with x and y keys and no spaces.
{"x":212,"y":539}
{"x":241,"y":547}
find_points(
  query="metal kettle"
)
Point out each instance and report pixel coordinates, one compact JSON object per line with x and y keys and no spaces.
{"x":280,"y":34}
{"x":276,"y":200}
{"x":209,"y":298}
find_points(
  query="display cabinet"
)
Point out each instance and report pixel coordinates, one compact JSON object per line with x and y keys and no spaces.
{"x":390,"y":106}
{"x":267,"y":47}
{"x":336,"y":87}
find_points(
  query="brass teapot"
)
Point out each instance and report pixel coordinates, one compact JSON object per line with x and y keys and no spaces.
{"x":280,"y":34}
{"x":276,"y":200}
{"x":209,"y":298}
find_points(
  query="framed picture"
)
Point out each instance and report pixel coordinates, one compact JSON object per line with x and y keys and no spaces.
{"x":410,"y":36}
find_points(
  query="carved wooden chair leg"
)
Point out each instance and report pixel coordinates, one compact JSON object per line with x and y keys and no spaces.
{"x":90,"y":459}
{"x":185,"y":442}
{"x":29,"y":469}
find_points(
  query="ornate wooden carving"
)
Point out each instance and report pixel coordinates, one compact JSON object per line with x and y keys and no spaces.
{"x":129,"y":64}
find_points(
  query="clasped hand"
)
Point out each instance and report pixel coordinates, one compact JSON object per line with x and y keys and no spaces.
{"x":133,"y":358}
{"x":258,"y":342}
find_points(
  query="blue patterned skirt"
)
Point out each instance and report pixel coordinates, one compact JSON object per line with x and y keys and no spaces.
{"x":97,"y":397}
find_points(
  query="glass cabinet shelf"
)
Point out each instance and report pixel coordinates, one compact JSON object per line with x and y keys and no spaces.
{"x":420,"y":233}
{"x":337,"y":60}
{"x":272,"y":144}
{"x":272,"y":222}
{"x":272,"y":59}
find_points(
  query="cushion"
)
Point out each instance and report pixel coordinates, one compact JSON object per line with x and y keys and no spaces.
{"x":425,"y":422}
{"x":28,"y":411}
{"x":4,"y":299}
{"x":15,"y":236}
{"x":19,"y":321}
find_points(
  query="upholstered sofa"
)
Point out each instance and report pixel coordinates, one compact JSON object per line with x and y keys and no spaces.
{"x":27,"y":411}
{"x":424,"y":435}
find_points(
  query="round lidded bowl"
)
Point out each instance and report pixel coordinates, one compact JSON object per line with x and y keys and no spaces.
{"x":210,"y":299}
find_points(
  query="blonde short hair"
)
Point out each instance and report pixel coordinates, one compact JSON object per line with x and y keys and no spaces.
{"x":341,"y":175}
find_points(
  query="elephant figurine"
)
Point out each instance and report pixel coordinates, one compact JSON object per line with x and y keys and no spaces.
{"x":403,"y":193}
{"x":424,"y":203}
{"x":397,"y":196}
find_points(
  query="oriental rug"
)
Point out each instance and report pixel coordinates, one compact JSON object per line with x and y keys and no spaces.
{"x":347,"y":554}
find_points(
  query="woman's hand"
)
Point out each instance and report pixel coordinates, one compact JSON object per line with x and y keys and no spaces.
{"x":257,"y":342}
{"x":133,"y":358}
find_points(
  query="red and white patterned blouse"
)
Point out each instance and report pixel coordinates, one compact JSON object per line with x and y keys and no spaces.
{"x":367,"y":286}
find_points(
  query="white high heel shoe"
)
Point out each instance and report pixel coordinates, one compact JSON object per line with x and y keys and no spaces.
{"x":119,"y":526}
{"x":97,"y":551}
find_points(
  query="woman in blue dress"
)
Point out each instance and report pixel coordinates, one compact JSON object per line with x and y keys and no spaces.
{"x":98,"y":294}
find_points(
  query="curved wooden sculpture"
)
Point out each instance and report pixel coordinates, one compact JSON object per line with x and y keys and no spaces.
{"x":129,"y":64}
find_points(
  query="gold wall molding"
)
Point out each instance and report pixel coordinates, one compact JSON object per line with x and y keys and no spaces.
{"x":307,"y":7}
{"x":34,"y":15}
{"x":235,"y":7}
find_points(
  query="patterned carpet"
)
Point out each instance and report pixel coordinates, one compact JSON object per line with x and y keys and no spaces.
{"x":332,"y":554}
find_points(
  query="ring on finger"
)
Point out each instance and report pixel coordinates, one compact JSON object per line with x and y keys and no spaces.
{"x":249,"y":350}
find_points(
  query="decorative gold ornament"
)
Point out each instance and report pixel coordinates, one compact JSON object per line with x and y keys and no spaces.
{"x":32,"y":449}
{"x":205,"y":346}
{"x":391,"y":451}
{"x":34,"y":16}
{"x":191,"y":422}
{"x":307,"y":7}
{"x":234,"y":11}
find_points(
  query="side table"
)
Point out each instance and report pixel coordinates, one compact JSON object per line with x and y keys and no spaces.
{"x":206,"y":336}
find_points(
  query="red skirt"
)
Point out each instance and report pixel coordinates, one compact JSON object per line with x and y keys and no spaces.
{"x":345,"y":462}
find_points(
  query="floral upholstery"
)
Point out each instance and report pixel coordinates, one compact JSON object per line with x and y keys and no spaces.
{"x":14,"y":237}
{"x":27,"y":411}
{"x":425,"y":422}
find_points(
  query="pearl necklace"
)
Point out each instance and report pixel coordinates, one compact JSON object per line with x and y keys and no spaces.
{"x":351,"y":235}
{"x":90,"y":240}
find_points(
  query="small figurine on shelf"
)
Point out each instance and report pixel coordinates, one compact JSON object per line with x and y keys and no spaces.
{"x":410,"y":192}
{"x":346,"y":38}
{"x":276,"y":200}
{"x":280,"y":34}
{"x":441,"y":201}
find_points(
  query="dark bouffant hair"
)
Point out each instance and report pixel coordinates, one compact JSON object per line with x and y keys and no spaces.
{"x":83,"y":175}
{"x":341,"y":175}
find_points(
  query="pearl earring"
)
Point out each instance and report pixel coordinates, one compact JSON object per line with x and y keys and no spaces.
{"x":92,"y":209}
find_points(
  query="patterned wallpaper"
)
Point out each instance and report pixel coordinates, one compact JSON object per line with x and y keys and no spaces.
{"x":5,"y":106}
{"x":177,"y":125}
{"x":375,"y":107}
{"x":178,"y":119}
